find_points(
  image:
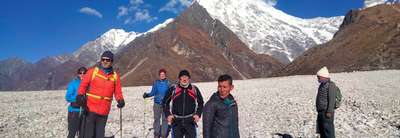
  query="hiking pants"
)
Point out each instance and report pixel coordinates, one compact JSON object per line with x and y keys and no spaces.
{"x":73,"y":124}
{"x":181,"y":130}
{"x":160,"y":130}
{"x":95,"y":125}
{"x":325,"y":125}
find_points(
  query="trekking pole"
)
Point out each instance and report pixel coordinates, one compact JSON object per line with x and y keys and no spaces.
{"x":83,"y":125}
{"x":80,"y":122}
{"x":120,"y":121}
{"x":145,"y":133}
{"x":144,"y":117}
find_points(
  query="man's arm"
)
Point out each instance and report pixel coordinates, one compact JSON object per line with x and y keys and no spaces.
{"x":69,"y":96}
{"x":208,"y":118}
{"x":200,"y":102}
{"x":118,"y":90}
{"x":153,"y":90}
{"x":331,"y":97}
{"x":166,"y":101}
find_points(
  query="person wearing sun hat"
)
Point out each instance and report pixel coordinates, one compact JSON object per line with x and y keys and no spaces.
{"x":325,"y":104}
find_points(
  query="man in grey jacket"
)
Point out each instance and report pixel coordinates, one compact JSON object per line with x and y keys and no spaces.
{"x":220,"y":116}
{"x":325,"y":104}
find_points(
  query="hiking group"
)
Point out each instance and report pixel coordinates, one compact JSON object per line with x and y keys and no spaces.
{"x":177,"y":107}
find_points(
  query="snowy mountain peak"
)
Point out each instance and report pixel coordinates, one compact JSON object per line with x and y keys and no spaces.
{"x":371,"y":3}
{"x":61,"y":58}
{"x":115,"y":37}
{"x":268,"y":30}
{"x":112,"y":40}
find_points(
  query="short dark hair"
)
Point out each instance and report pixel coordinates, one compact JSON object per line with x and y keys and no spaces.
{"x":184,"y":73}
{"x":82,"y":69}
{"x":225,"y":77}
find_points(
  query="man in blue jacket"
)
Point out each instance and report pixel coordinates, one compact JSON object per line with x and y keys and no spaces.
{"x":159,"y":90}
{"x":73,"y":108}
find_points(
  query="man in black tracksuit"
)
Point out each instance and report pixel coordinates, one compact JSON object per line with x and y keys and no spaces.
{"x":325,"y":104}
{"x":187,"y":106}
{"x":220,"y":117}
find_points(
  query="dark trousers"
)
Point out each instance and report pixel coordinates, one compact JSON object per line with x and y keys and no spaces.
{"x":325,"y":125}
{"x":160,"y":130}
{"x":73,"y":124}
{"x":94,"y":125}
{"x":187,"y":130}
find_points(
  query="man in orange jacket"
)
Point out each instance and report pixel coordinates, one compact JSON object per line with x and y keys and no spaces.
{"x":96,"y":92}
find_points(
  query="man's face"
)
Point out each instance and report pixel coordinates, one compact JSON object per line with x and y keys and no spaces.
{"x":162,"y":75}
{"x":81,"y":74}
{"x":184,"y":80}
{"x":106,"y":62}
{"x":224,"y":88}
{"x":321,"y":79}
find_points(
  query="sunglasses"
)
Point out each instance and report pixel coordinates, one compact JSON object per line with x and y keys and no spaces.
{"x":106,"y":60}
{"x":83,"y":73}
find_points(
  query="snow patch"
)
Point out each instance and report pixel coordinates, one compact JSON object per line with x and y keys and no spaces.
{"x":160,"y":26}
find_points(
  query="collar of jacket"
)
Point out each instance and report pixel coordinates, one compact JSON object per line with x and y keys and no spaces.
{"x":106,"y":70}
{"x":230,"y":98}
{"x":188,"y":87}
{"x":163,"y":80}
{"x":324,"y":81}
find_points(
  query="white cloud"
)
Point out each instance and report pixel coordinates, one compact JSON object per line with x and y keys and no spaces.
{"x":135,"y":11}
{"x":91,"y":11}
{"x":136,"y":2}
{"x":139,"y":16}
{"x":143,"y":15}
{"x":128,"y":20}
{"x":176,"y":6}
{"x":122,"y":11}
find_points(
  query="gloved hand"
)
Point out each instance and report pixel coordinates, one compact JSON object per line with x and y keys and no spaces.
{"x":75,"y":105}
{"x":81,"y":100}
{"x":145,"y":95}
{"x":121,"y":103}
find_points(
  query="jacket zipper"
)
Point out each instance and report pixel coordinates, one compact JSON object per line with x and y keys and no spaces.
{"x":184,"y":101}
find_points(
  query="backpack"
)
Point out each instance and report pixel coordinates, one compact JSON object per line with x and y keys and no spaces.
{"x":178,"y":91}
{"x":191,"y":92}
{"x":338,"y":95}
{"x":95,"y":73}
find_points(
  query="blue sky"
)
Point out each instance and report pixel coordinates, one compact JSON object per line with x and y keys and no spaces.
{"x":33,"y":29}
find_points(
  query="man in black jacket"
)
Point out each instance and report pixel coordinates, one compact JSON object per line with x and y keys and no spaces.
{"x":187,"y":106}
{"x":220,"y":118}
